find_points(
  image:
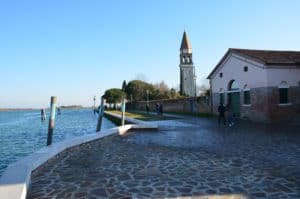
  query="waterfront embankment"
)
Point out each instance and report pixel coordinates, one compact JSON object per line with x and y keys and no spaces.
{"x":187,"y":157}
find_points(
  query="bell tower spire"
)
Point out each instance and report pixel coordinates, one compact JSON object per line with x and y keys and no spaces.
{"x":187,"y":68}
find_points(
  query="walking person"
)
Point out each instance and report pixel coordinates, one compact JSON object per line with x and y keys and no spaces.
{"x":230,"y":115}
{"x":161,"y":109}
{"x":221,"y":110}
{"x":157,"y":108}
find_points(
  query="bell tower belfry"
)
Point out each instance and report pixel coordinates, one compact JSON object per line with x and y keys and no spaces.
{"x":187,"y":68}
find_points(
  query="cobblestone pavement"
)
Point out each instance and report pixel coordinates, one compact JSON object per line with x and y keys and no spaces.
{"x":185,"y":159}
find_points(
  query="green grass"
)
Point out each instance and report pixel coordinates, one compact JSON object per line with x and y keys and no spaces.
{"x":142,"y":116}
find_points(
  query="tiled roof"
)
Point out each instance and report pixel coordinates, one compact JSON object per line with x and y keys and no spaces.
{"x":271,"y":57}
{"x":267,"y":57}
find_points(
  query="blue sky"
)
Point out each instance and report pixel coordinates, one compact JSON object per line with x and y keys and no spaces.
{"x":77,"y":49}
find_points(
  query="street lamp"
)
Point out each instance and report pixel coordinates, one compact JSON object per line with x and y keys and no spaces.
{"x":94,"y":104}
{"x":147,"y":106}
{"x":147,"y":92}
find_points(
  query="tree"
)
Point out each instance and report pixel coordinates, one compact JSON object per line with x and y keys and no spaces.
{"x":137,"y":91}
{"x":114,"y":95}
{"x":174,"y":94}
{"x":203,"y":90}
{"x":162,"y":87}
{"x":138,"y":88}
{"x":124,"y":85}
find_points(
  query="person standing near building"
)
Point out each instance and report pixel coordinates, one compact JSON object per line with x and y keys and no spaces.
{"x":157,"y":108}
{"x":161,"y":109}
{"x":229,"y":115}
{"x":221,"y":110}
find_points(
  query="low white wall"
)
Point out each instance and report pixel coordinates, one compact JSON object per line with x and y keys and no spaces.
{"x":15,"y":180}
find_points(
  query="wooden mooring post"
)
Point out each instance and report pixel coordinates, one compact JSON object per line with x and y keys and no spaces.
{"x":43,"y":114}
{"x":123,"y":111}
{"x":101,"y":112}
{"x":51,"y":120}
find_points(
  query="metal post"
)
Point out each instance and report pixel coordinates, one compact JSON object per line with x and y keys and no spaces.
{"x":51,"y":121}
{"x":147,"y":91}
{"x":94,"y":105}
{"x":147,"y":105}
{"x":123,"y":111}
{"x":131,"y":107}
{"x":101,"y":112}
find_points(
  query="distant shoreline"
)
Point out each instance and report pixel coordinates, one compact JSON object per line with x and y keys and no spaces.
{"x":17,"y":109}
{"x":35,"y":109}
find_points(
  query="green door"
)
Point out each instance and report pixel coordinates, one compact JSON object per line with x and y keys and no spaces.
{"x":234,"y":100}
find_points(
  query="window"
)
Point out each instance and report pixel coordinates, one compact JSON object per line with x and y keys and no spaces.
{"x":283,"y":93}
{"x":221,"y":75}
{"x":283,"y":96}
{"x":245,"y":68}
{"x":247,"y":97}
{"x":221,"y":98}
{"x":187,"y":59}
{"x":233,"y":86}
{"x":182,"y":59}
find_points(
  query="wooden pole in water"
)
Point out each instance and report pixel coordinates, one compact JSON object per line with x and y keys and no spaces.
{"x":101,"y":112}
{"x":123,"y":111}
{"x":51,"y":120}
{"x":43,"y":115}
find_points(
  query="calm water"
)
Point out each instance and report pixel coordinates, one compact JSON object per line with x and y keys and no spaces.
{"x":22,"y":132}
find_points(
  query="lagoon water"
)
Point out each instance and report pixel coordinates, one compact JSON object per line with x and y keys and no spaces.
{"x":23,"y":132}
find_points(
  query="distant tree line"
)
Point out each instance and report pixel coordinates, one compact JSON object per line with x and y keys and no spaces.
{"x":137,"y":90}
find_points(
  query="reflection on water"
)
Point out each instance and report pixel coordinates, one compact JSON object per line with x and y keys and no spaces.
{"x":22,"y":132}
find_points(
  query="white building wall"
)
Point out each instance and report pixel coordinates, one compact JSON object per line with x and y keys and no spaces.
{"x":290,"y":75}
{"x":233,"y":69}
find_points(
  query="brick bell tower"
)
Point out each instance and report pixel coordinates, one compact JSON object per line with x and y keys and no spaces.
{"x":187,"y":68}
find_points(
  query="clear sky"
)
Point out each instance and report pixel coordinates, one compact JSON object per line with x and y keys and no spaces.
{"x":77,"y":49}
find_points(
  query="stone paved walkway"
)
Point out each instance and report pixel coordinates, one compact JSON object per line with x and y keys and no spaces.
{"x":187,"y":158}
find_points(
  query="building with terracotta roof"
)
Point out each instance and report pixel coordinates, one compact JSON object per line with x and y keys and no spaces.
{"x":260,"y":85}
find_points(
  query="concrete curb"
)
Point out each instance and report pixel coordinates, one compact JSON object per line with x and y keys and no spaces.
{"x":15,"y":181}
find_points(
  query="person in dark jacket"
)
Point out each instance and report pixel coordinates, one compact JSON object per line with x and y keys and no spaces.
{"x":161,"y":109}
{"x":221,"y":110}
{"x":229,"y":115}
{"x":157,"y":108}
